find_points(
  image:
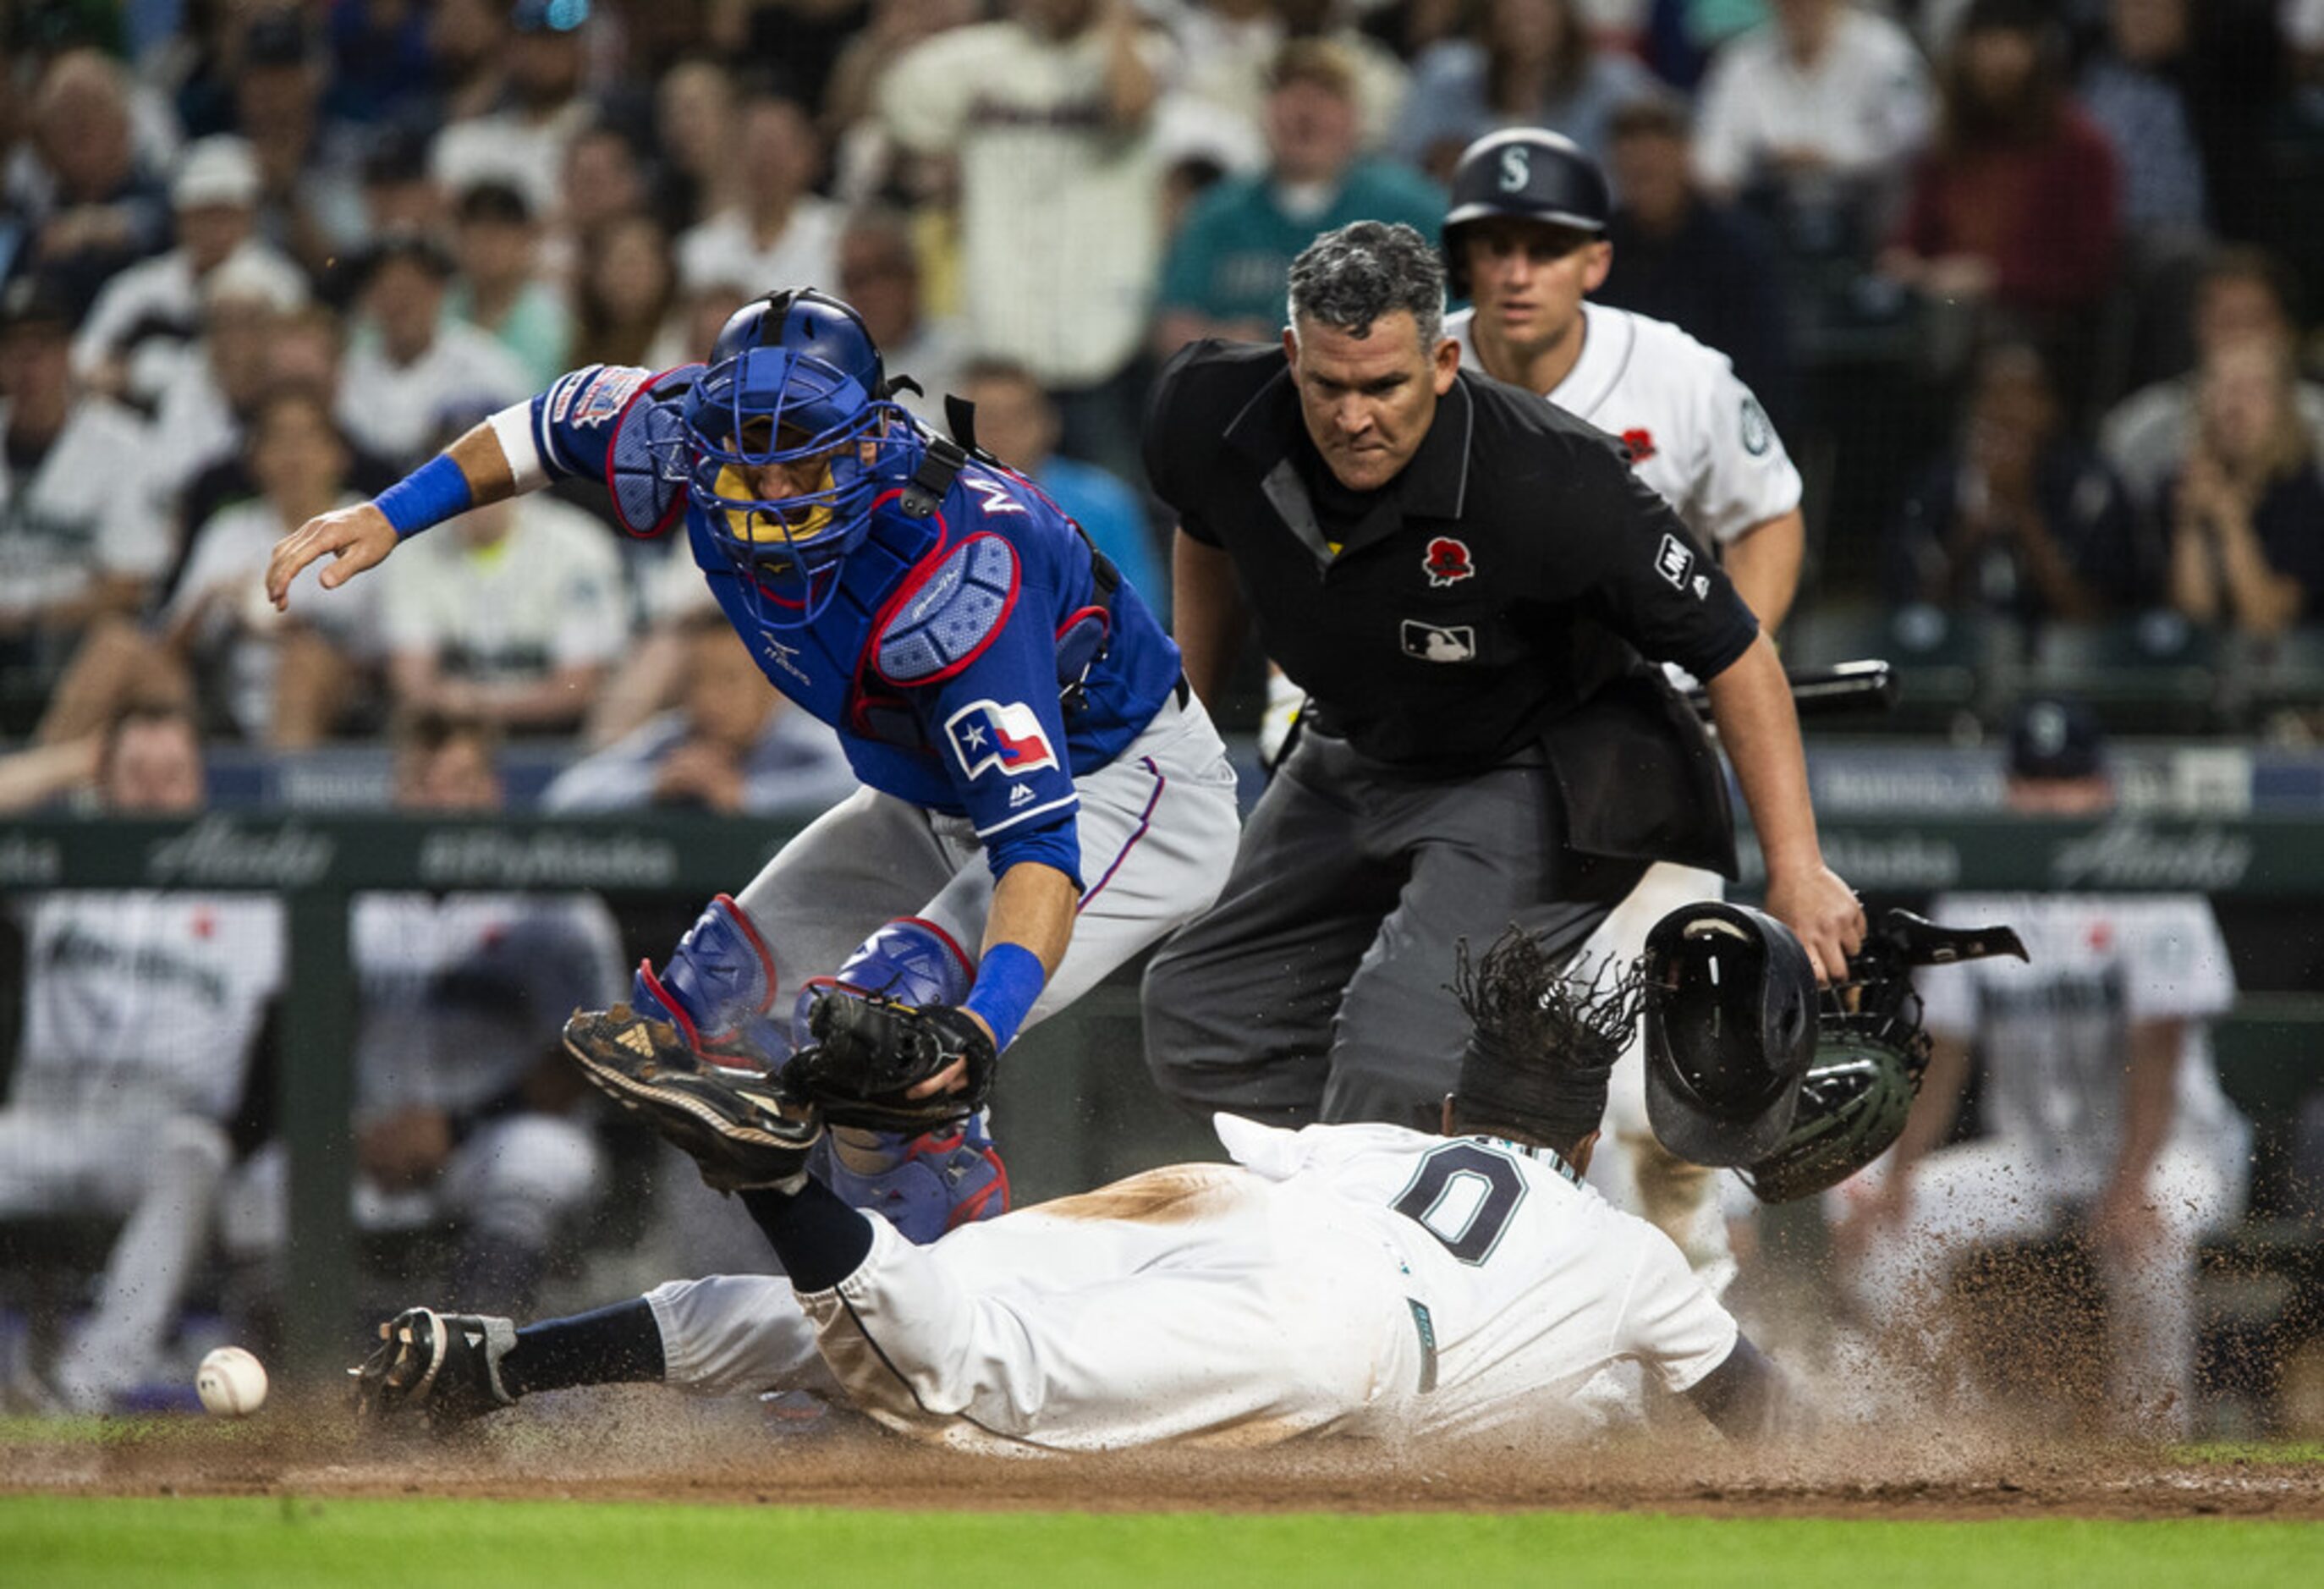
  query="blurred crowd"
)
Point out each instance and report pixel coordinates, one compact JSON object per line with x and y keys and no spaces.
{"x":2024,"y":282}
{"x":2027,"y":285}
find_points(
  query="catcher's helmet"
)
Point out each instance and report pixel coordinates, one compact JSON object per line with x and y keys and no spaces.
{"x":1731,"y":1029}
{"x":1530,"y":173}
{"x":1870,"y":1053}
{"x":794,"y":380}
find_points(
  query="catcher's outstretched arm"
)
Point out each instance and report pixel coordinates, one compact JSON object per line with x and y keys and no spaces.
{"x":360,"y":537}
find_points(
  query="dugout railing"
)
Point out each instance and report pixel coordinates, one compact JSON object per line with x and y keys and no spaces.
{"x":1076,"y":1100}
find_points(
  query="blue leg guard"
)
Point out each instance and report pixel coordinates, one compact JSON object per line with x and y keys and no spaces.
{"x":936,"y":1181}
{"x":718,"y":991}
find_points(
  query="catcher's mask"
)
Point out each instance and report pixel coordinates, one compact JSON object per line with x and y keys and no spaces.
{"x":1730,"y":1027}
{"x":1869,"y":1056}
{"x":837,"y":447}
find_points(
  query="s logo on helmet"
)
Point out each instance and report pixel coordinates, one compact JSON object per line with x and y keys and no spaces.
{"x":1447,"y":562}
{"x":1517,"y":168}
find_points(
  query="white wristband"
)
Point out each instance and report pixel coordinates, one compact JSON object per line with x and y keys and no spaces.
{"x":512,"y":428}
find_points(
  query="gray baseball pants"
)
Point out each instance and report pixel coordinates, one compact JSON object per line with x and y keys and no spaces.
{"x":1316,"y":988}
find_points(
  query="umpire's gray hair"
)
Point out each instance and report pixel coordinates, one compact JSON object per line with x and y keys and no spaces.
{"x":1349,"y":278}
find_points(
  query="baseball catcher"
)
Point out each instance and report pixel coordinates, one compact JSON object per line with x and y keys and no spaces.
{"x":1750,"y":1066}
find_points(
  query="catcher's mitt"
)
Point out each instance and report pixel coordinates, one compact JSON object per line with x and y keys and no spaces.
{"x":869,"y":1053}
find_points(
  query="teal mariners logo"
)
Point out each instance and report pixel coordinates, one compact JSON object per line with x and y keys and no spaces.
{"x":1517,"y":168}
{"x":1758,"y":435}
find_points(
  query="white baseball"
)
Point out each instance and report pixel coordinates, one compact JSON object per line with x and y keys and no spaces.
{"x":231,"y":1382}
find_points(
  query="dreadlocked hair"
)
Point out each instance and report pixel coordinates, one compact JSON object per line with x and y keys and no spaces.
{"x":1541,"y":1043}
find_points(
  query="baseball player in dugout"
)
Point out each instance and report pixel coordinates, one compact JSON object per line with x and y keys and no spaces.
{"x":1473,"y":588}
{"x":1363,"y":1279}
{"x":1041,"y":796}
{"x":1524,"y":239}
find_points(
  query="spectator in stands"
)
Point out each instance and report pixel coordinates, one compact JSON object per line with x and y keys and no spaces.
{"x":605,"y":185}
{"x":2131,"y":93}
{"x":852,"y":97}
{"x":696,"y":109}
{"x":409,"y":367}
{"x":468,"y":46}
{"x":143,"y":1011}
{"x":1016,"y":422}
{"x":2019,"y":518}
{"x":142,"y":327}
{"x":2098,"y":1095}
{"x":90,"y":207}
{"x":732,"y":744}
{"x":2242,"y":294}
{"x":81,"y":536}
{"x":1530,"y":65}
{"x":2017,"y":204}
{"x":625,"y":296}
{"x":880,"y":274}
{"x":521,"y":142}
{"x":1227,"y":50}
{"x":1683,"y":256}
{"x":1049,"y":114}
{"x":777,"y":231}
{"x":513,"y":616}
{"x":284,"y":682}
{"x":200,"y":412}
{"x":1818,"y":113}
{"x":499,"y":289}
{"x":311,"y":198}
{"x":2246,"y":509}
{"x":1226,"y":271}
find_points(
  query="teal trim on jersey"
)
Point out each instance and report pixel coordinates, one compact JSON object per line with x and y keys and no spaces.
{"x":1549,"y":1156}
{"x":1233,"y":260}
{"x":1427,"y":1328}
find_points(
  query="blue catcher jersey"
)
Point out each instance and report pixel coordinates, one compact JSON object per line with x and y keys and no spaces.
{"x":967,"y":657}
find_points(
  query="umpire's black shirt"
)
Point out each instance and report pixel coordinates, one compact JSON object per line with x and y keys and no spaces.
{"x":1496,"y":595}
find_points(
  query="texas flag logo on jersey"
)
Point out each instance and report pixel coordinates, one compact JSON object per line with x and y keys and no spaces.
{"x":1003,"y":735}
{"x":1447,"y":562}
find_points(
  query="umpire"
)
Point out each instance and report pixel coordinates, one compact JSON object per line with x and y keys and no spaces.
{"x":1468,"y":584}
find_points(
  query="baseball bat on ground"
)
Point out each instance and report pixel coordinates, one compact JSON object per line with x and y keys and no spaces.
{"x":1866,"y":686}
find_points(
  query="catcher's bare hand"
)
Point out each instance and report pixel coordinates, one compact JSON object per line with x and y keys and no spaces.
{"x":357,"y":538}
{"x":1826,"y":915}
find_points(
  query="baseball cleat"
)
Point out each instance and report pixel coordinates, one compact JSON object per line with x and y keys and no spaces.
{"x":445,"y":1364}
{"x":740,"y":1125}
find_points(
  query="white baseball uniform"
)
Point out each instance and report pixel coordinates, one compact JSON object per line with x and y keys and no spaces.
{"x":141,"y":1011}
{"x":1352,"y":1279}
{"x":1697,"y":436}
{"x":2054,"y":1033}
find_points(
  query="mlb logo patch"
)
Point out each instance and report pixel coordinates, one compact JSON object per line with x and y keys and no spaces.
{"x":1674,"y":561}
{"x":996,"y":734}
{"x":1427,"y":643}
{"x":1641,"y":443}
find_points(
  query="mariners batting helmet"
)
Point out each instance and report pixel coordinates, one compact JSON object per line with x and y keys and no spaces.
{"x":1530,"y":173}
{"x":1731,"y":1029}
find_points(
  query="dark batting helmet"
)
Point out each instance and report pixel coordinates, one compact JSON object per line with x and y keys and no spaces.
{"x":1731,"y":1029}
{"x":1530,"y":173}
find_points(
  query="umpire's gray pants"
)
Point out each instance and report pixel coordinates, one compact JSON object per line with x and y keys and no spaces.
{"x":1316,"y":987}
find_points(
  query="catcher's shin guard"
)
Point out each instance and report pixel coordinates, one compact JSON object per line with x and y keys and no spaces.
{"x":718,"y":990}
{"x":939,"y":1182}
{"x":909,"y":961}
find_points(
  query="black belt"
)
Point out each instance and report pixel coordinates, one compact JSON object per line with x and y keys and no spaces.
{"x":1183,"y":690}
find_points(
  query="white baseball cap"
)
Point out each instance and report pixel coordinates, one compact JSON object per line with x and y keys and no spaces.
{"x":218,"y":169}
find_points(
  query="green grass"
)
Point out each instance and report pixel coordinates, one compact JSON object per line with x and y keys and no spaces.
{"x":58,"y":1543}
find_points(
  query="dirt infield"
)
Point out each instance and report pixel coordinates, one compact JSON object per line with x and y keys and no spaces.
{"x":650,"y":1445}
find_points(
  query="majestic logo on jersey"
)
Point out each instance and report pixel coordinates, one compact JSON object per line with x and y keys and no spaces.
{"x":1428,"y":643}
{"x":995,"y":734}
{"x":1447,"y":563}
{"x":1517,"y":168}
{"x":1674,"y":561}
{"x":995,"y":492}
{"x":1758,"y":435}
{"x":1641,"y":444}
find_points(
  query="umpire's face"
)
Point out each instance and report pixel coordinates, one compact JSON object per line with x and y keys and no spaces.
{"x":1369,"y":400}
